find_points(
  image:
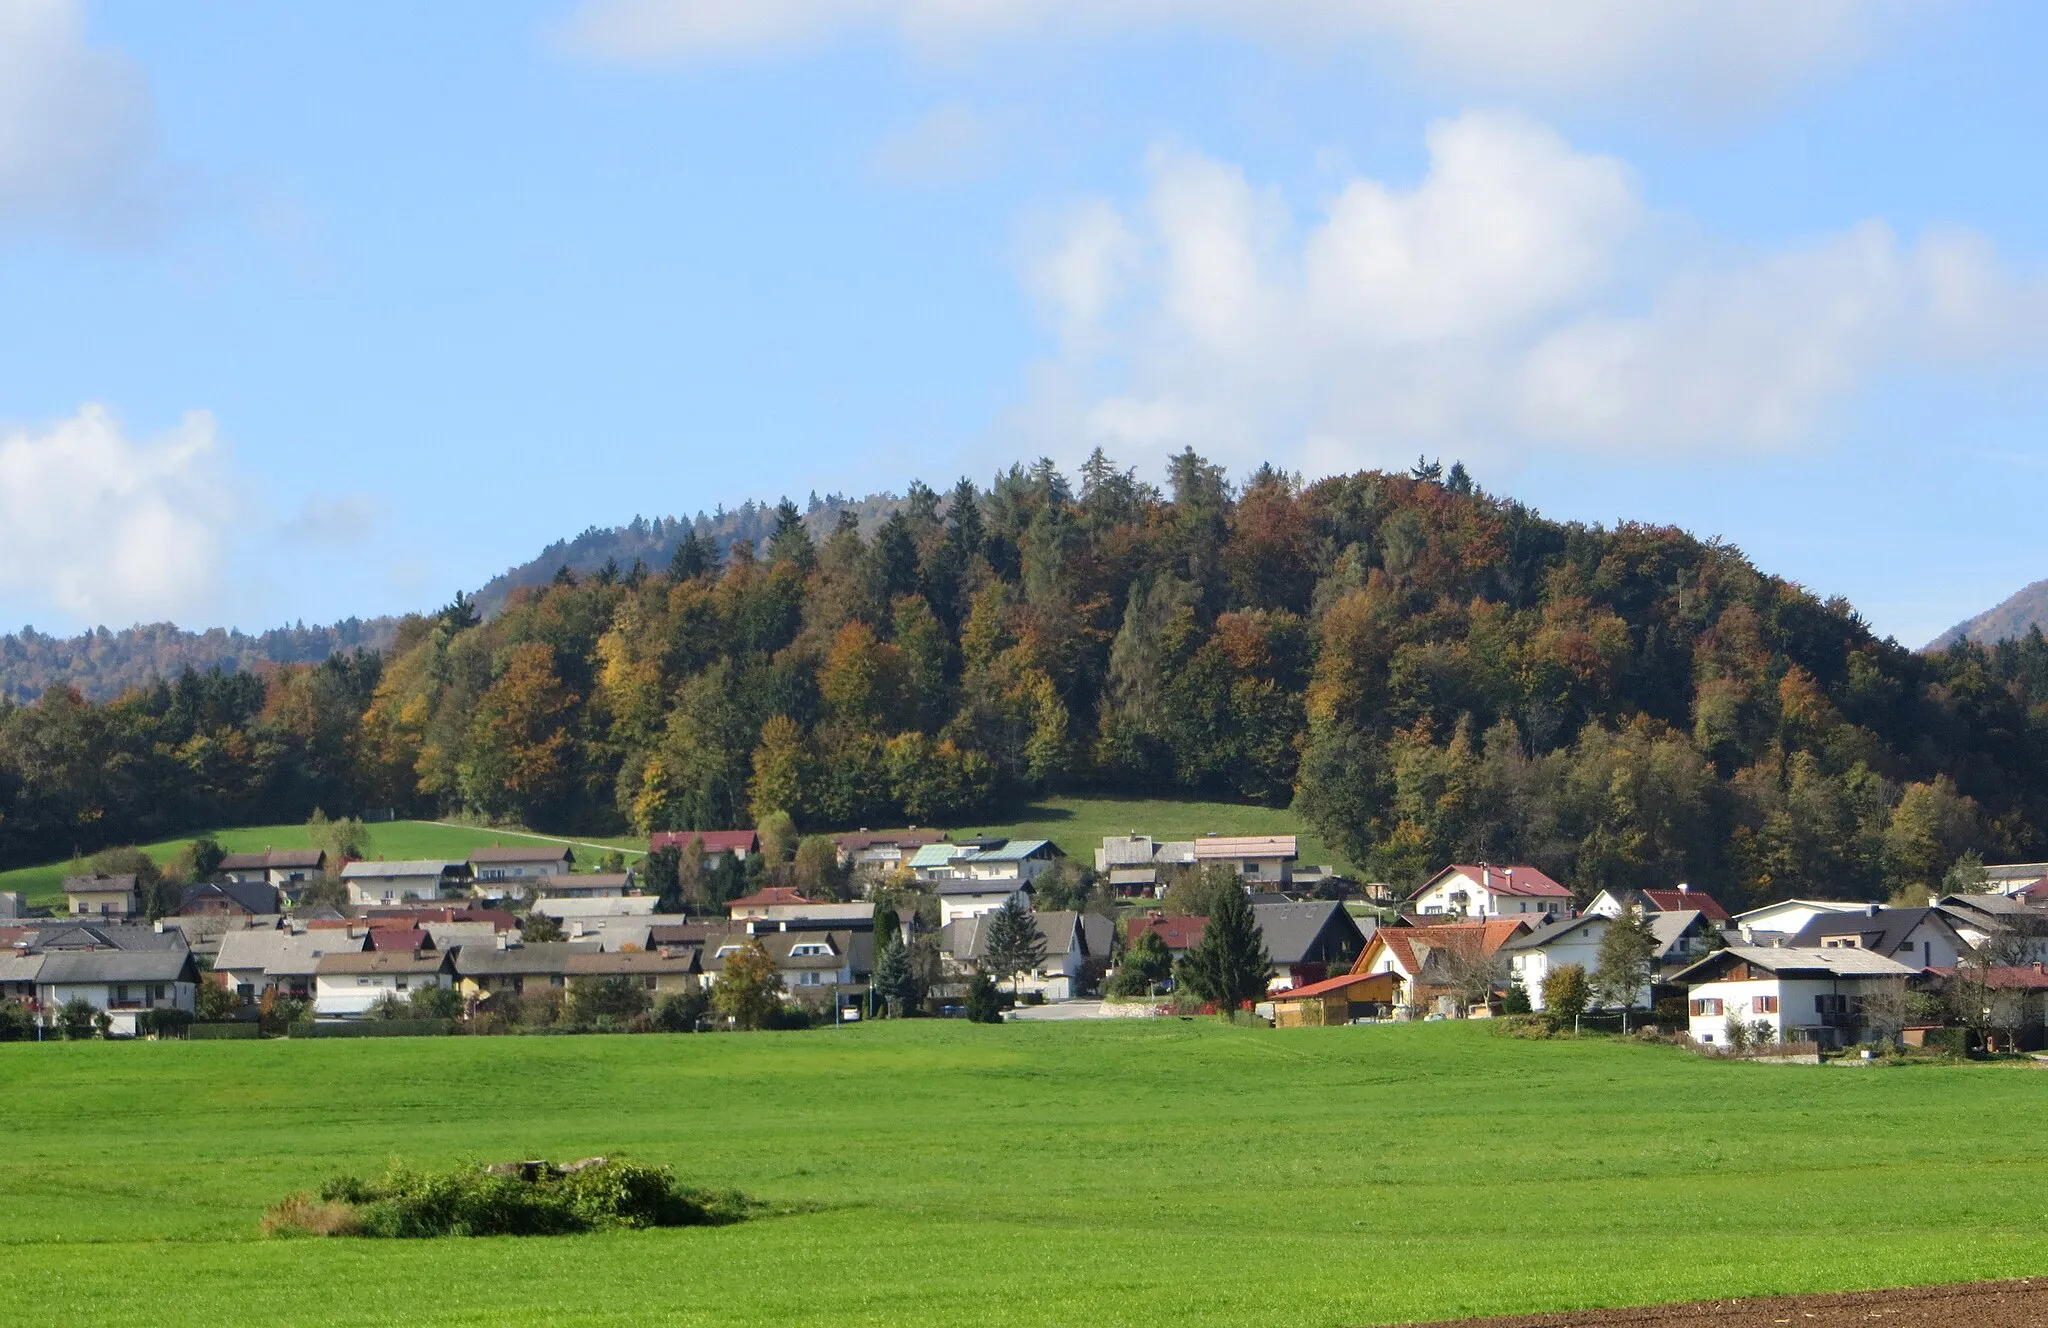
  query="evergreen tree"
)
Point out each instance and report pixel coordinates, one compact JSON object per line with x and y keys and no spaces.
{"x":1628,"y":955}
{"x":1014,"y":945}
{"x":692,"y":558}
{"x":895,"y":982}
{"x":661,"y":872}
{"x":1229,"y":966}
{"x":984,"y":1003}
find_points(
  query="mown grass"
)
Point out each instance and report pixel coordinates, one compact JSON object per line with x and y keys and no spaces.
{"x":44,"y":883}
{"x":1078,"y":824}
{"x":1034,"y":1174}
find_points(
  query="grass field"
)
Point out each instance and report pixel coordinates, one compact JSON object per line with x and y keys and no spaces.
{"x":1036,"y":1174}
{"x":390,"y":839}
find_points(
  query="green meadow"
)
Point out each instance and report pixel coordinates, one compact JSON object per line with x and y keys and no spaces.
{"x":1173,"y":1172}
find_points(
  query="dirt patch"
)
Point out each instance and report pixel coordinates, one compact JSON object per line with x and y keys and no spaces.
{"x":2018,"y":1304}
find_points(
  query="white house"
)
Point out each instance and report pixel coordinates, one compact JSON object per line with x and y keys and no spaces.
{"x":349,"y":984}
{"x":394,"y":881}
{"x":284,"y":868}
{"x":1916,"y":937}
{"x":1260,"y":859}
{"x":1788,"y":917}
{"x":1483,"y":890}
{"x":520,"y":863}
{"x":2012,"y":878}
{"x":1073,"y":941}
{"x":123,"y":983}
{"x":1804,"y":993}
{"x":1016,"y":861}
{"x":253,"y":962}
{"x":1681,"y":937}
{"x":589,"y":885}
{"x":100,"y":896}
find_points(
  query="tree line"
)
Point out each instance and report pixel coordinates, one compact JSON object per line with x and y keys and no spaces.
{"x":1427,"y":671}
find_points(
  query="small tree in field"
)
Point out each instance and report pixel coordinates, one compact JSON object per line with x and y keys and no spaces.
{"x":749,"y":989}
{"x":1628,"y":955}
{"x":1566,"y":992}
{"x":1230,"y":965}
{"x":1015,"y":946}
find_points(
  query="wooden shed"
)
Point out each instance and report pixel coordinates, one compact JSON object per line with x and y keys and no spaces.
{"x":1336,"y":1000}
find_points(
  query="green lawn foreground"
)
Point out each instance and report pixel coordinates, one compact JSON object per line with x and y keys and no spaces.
{"x":44,"y":884}
{"x":1185,"y":1173}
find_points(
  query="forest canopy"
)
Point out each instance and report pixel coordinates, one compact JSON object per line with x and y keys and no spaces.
{"x":1426,"y":671}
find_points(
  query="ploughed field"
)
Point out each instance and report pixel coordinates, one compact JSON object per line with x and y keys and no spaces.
{"x":1050,"y":1173}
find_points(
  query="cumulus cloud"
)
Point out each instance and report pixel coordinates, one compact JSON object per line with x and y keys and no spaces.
{"x":76,"y":122}
{"x":104,"y":528}
{"x":1706,"y":51}
{"x":1522,"y":293}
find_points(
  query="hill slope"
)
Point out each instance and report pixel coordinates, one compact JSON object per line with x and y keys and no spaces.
{"x":102,"y":664}
{"x":2005,"y":622}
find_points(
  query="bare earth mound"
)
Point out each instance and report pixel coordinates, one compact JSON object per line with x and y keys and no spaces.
{"x":1963,"y":1305}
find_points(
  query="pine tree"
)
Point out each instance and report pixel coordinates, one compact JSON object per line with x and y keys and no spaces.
{"x":1229,"y":966}
{"x":895,"y":983}
{"x":1015,"y":945}
{"x":1628,"y":951}
{"x":692,"y":558}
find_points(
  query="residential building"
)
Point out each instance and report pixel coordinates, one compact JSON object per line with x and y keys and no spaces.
{"x":817,"y":966}
{"x":13,"y":904}
{"x":520,"y":864}
{"x":1832,"y":996}
{"x":236,"y":898}
{"x":1178,"y":934}
{"x":2012,"y":878}
{"x":123,"y":983}
{"x":2014,"y":931}
{"x":18,"y":975}
{"x":1425,"y":960}
{"x":567,"y":911}
{"x":878,"y":852}
{"x":1132,"y":864}
{"x":251,"y":963}
{"x":502,"y":973}
{"x":719,"y":845}
{"x":589,"y":885}
{"x":1679,"y":899}
{"x":1788,"y":917}
{"x":285,"y":868}
{"x":660,"y":973}
{"x":1308,"y":942}
{"x":1261,"y":860}
{"x":1077,"y":951}
{"x":1915,"y":937}
{"x":762,"y":902}
{"x":1681,"y":937}
{"x":348,"y":984}
{"x":396,"y":881}
{"x":979,"y":876}
{"x":101,"y":896}
{"x":1482,"y":890}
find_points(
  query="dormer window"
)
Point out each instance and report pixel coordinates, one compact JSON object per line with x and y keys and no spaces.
{"x":809,"y":948}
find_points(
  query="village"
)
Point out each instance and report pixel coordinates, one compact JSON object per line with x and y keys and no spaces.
{"x":516,"y":938}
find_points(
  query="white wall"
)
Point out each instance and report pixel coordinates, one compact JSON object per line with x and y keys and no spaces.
{"x":177,"y":996}
{"x":1795,"y":1002}
{"x":354,"y":993}
{"x":380,"y":890}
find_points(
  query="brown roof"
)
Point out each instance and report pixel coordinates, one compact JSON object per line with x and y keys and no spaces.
{"x":715,"y":841}
{"x":1678,"y":901}
{"x":382,"y":961}
{"x":774,"y":894}
{"x":614,"y":963}
{"x":866,"y":839}
{"x":74,"y":884}
{"x":1401,"y":941}
{"x":400,"y":938}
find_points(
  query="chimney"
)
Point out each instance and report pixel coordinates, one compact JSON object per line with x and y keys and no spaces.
{"x":1683,"y":887}
{"x":1872,"y":908}
{"x":501,"y":940}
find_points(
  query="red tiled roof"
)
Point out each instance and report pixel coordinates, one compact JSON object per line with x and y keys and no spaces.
{"x":1677,"y":901}
{"x":1492,"y":934}
{"x":1513,"y":879}
{"x":774,"y":894}
{"x":1177,"y":933}
{"x":715,"y":841}
{"x":1327,"y":985}
{"x":2028,"y":977}
{"x":398,"y":938}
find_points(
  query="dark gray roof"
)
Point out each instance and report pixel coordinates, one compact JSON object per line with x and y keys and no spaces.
{"x":523,"y":853}
{"x":477,"y":961}
{"x":96,"y":882}
{"x":960,"y":885}
{"x":1881,"y":931}
{"x":69,"y":934}
{"x":250,"y":896}
{"x":1554,"y":930}
{"x":86,"y":966}
{"x":1295,"y":932}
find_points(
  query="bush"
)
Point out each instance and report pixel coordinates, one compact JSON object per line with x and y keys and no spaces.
{"x":788,"y":1018}
{"x":163,"y":1023}
{"x":1566,"y":992}
{"x":682,"y":1013}
{"x":222,"y":1032}
{"x":1947,"y":1041}
{"x":606,"y":1003}
{"x":75,"y":1019}
{"x":542,"y":1008}
{"x":435,"y":1002}
{"x":1516,"y":1002}
{"x":510,"y":1199}
{"x":16,"y":1023}
{"x":984,"y":1002}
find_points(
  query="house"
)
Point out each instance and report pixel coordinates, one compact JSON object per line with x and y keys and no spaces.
{"x":348,"y":984}
{"x":399,"y":938}
{"x":1132,"y":863}
{"x":1077,"y":950}
{"x":13,"y":904}
{"x":1788,"y":917}
{"x":520,"y":864}
{"x":1681,"y":938}
{"x":1261,"y":860}
{"x":2012,"y":878}
{"x":1832,"y":996}
{"x":1308,"y":942}
{"x":67,"y":934}
{"x":2015,"y":1001}
{"x":2013,"y":928}
{"x":100,"y":896}
{"x":502,"y":973}
{"x":1014,"y":860}
{"x":18,"y":975}
{"x":766,"y":903}
{"x":660,"y":973}
{"x":253,"y":962}
{"x":816,"y":966}
{"x":231,"y":898}
{"x":1178,"y":934}
{"x":394,"y":881}
{"x":719,"y":845}
{"x":878,"y":852}
{"x":1337,"y":1000}
{"x":123,"y":983}
{"x":1483,"y":890}
{"x":1423,"y":959}
{"x":283,"y":868}
{"x":1916,"y":937}
{"x":1680,"y":899}
{"x":567,"y":911}
{"x":591,"y":885}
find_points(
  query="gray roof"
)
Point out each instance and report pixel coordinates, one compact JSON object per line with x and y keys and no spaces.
{"x":1128,"y":850}
{"x":1554,"y":930}
{"x":274,"y":857}
{"x":84,"y":934}
{"x":283,"y":953}
{"x":20,"y":967}
{"x":1785,"y":960}
{"x":962,"y":885}
{"x":383,"y":961}
{"x":378,"y":869}
{"x":73,"y":884}
{"x":1673,"y":927}
{"x":249,"y":896}
{"x":86,"y":966}
{"x":1883,"y":930}
{"x":523,"y":853}
{"x":1294,"y":931}
{"x":484,"y":961}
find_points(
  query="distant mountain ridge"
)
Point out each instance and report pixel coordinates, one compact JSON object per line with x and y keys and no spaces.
{"x":103,"y":663}
{"x":2003,"y":622}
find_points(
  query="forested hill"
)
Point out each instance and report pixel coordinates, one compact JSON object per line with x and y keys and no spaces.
{"x":651,"y":542}
{"x":2012,"y":618}
{"x":102,"y":664}
{"x":1427,"y":671}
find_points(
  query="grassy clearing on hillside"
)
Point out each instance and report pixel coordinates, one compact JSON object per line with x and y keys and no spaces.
{"x":390,"y":839}
{"x":1027,"y":1174}
{"x":1078,"y":824}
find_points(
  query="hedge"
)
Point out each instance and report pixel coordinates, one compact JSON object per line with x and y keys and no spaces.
{"x":309,"y":1028}
{"x":220,"y":1032}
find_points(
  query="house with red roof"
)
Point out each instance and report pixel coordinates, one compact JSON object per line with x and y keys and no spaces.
{"x":1681,"y":898}
{"x":773,"y":901}
{"x":1424,"y":960}
{"x":1482,"y":890}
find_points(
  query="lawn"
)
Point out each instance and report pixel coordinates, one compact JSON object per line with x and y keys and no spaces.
{"x":1078,"y":824}
{"x":390,"y":839}
{"x":1036,"y":1174}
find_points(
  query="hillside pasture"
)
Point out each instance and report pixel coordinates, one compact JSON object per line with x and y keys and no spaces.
{"x":940,"y":1173}
{"x":1078,"y":823}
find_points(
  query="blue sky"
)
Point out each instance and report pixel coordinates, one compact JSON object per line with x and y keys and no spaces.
{"x":329,"y":309}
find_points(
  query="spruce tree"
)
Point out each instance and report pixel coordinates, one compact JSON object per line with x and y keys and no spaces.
{"x":894,"y":983}
{"x":1230,"y":965}
{"x":1014,"y":944}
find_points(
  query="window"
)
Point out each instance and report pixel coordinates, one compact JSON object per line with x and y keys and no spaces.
{"x":649,"y":981}
{"x":1707,"y":1006}
{"x":1831,"y":1004}
{"x":401,"y":984}
{"x":1763,"y":1005}
{"x":810,"y":979}
{"x":810,"y":948}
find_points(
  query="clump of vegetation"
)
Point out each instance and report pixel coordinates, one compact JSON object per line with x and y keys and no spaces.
{"x":504,"y":1199}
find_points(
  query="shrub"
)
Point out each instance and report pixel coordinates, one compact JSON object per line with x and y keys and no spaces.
{"x":984,"y":1002}
{"x":434,"y":1002}
{"x":541,"y":1009}
{"x":788,"y":1018}
{"x":75,"y":1019}
{"x":163,"y":1023}
{"x":1670,"y":1012}
{"x":510,"y":1199}
{"x":606,"y":1003}
{"x":1566,"y":991}
{"x":1516,"y":1002}
{"x":682,"y":1013}
{"x":16,"y":1023}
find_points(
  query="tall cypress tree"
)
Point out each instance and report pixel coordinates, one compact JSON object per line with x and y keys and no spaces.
{"x":1230,"y":965}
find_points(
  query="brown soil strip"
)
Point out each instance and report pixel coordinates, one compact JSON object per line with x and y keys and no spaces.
{"x":2017,"y":1304}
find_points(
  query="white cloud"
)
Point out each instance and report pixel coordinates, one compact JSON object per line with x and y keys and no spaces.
{"x":945,"y":144}
{"x":1521,"y":294}
{"x":102,"y":528}
{"x":76,"y":123}
{"x":1706,"y":52}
